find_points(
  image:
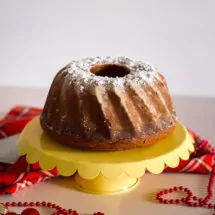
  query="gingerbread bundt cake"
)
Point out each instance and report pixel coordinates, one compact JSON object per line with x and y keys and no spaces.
{"x":110,"y":103}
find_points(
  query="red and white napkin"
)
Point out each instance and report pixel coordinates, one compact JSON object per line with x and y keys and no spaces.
{"x":16,"y":176}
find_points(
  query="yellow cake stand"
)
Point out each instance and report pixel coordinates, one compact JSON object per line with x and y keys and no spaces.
{"x":104,"y":172}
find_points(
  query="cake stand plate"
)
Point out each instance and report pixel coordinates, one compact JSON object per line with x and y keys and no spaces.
{"x":104,"y":172}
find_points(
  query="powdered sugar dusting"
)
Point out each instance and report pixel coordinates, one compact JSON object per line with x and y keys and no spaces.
{"x":81,"y":76}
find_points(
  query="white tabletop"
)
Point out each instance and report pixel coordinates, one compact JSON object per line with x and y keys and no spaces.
{"x":196,"y":113}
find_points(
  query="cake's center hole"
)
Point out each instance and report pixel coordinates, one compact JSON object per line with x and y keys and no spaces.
{"x":110,"y":70}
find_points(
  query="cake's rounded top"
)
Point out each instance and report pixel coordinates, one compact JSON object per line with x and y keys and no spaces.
{"x":109,"y":71}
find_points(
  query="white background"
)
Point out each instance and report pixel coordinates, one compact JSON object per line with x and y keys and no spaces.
{"x":39,"y":37}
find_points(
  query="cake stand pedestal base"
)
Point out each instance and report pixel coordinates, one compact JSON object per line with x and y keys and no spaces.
{"x":105,"y":185}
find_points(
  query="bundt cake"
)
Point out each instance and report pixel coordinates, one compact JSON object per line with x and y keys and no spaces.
{"x":108,"y":103}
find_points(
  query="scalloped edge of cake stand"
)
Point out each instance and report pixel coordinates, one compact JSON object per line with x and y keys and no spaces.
{"x":100,"y":178}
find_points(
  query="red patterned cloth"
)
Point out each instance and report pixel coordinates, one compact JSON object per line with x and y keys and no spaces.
{"x":14,"y":177}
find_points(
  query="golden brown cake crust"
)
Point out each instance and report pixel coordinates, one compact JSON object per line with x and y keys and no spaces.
{"x":108,"y":145}
{"x":111,"y":103}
